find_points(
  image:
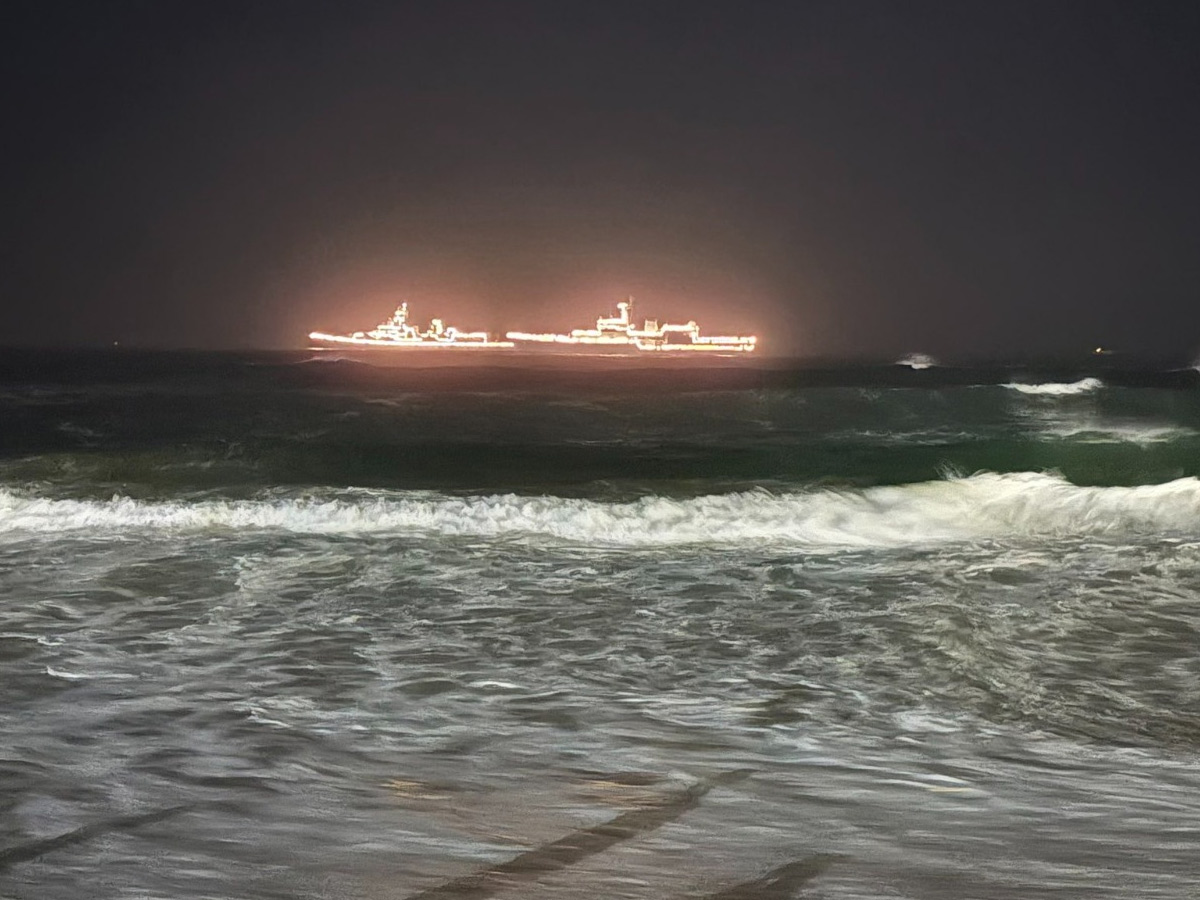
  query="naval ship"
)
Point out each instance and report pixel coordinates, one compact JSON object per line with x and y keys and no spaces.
{"x":618,"y":335}
{"x":397,"y":334}
{"x":613,"y":336}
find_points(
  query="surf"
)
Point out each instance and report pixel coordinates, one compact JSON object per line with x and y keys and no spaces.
{"x":983,"y":506}
{"x":1057,"y":389}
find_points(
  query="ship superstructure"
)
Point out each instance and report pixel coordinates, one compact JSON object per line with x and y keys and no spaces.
{"x":397,"y":333}
{"x":612,"y":336}
{"x":619,"y":335}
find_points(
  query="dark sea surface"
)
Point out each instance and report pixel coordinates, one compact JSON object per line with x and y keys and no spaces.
{"x":273,"y":627}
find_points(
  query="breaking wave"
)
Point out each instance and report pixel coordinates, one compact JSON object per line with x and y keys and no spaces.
{"x":1054,"y":389}
{"x":980,"y":507}
{"x":917,"y":361}
{"x":1100,"y":432}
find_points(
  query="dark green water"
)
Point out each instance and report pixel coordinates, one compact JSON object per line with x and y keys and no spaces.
{"x":277,"y":628}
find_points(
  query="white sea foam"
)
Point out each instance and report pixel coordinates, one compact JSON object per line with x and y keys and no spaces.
{"x":979,"y":507}
{"x":1114,"y":432}
{"x":1055,"y":389}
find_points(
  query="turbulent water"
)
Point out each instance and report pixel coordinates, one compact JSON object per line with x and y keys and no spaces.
{"x":284,"y":629}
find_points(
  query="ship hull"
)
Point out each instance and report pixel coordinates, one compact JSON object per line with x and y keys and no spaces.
{"x":524,"y":357}
{"x":397,"y":349}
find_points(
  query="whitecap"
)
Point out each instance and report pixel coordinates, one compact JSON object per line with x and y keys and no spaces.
{"x":89,"y":676}
{"x":1057,"y":389}
{"x":917,"y":361}
{"x":65,"y":676}
{"x":1096,"y":432}
{"x":498,"y":685}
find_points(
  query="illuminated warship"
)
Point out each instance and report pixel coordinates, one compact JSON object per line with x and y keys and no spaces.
{"x":618,"y":335}
{"x":397,"y":333}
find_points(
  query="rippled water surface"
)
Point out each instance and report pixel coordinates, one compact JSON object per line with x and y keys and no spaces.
{"x":268,"y":633}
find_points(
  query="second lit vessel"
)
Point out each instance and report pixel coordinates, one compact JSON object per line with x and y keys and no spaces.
{"x":618,"y":335}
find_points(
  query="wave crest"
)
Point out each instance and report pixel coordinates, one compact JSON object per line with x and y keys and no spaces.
{"x":979,"y":507}
{"x":1056,"y":389}
{"x":917,"y":361}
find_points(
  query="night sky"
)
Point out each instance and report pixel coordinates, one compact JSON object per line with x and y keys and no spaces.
{"x":846,"y":178}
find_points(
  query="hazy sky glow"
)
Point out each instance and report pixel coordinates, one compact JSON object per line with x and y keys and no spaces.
{"x":846,"y":178}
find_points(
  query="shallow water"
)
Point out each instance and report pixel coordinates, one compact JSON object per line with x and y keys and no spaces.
{"x":377,"y":635}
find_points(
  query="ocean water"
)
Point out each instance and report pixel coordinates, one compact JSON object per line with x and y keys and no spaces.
{"x":277,"y":628}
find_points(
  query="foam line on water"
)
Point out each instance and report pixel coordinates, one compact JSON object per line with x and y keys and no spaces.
{"x":1056,"y":389}
{"x":982,"y":506}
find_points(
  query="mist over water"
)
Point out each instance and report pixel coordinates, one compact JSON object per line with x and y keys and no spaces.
{"x":280,"y":629}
